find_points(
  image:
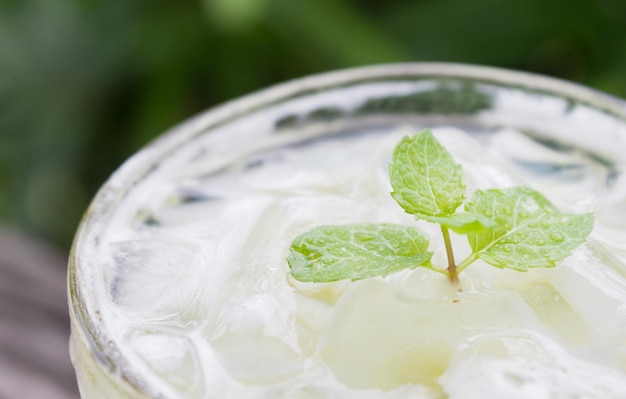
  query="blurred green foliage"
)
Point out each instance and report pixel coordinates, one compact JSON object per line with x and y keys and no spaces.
{"x":85,"y":83}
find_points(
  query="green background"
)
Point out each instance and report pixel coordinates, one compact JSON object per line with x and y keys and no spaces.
{"x":85,"y":83}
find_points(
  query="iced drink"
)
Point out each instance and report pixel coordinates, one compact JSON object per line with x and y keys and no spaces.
{"x":179,"y":282}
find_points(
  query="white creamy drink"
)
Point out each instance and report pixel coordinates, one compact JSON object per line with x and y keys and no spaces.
{"x":196,"y":301}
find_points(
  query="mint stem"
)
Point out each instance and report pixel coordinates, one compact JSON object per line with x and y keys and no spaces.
{"x":452,"y":272}
{"x":466,"y":262}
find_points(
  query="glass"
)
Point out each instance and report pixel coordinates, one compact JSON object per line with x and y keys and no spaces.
{"x":220,"y":146}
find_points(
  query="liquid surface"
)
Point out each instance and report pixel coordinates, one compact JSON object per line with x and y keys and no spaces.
{"x":201,"y":302}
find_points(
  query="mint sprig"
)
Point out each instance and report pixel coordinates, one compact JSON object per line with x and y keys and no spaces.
{"x":515,"y":228}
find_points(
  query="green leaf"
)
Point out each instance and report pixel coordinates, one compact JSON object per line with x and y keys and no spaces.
{"x":357,"y":251}
{"x":462,"y":222}
{"x":425,"y":178}
{"x":530,"y":231}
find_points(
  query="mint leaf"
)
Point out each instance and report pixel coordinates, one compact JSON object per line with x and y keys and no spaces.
{"x":425,"y":178}
{"x":357,"y":251}
{"x":461,"y":222}
{"x":530,"y":231}
{"x":515,"y":228}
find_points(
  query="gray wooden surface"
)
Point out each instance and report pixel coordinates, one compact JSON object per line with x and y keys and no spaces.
{"x":34,"y":324}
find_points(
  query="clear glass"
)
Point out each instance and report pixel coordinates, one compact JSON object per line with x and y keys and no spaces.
{"x":306,"y":112}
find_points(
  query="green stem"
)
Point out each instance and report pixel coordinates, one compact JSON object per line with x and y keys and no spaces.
{"x":440,"y":271}
{"x":452,"y":270}
{"x":466,"y":262}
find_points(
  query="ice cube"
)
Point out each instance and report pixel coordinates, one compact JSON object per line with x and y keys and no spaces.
{"x":595,"y":291}
{"x":172,"y":357}
{"x":156,"y":279}
{"x":318,"y":383}
{"x":255,"y":340}
{"x":326,"y":292}
{"x":312,"y":318}
{"x":570,"y":178}
{"x":251,"y":357}
{"x":378,"y":340}
{"x":526,"y":365}
{"x":554,"y":311}
{"x":305,"y":393}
